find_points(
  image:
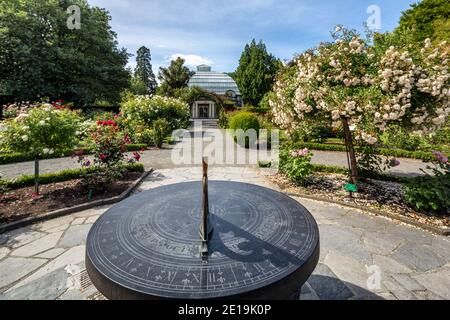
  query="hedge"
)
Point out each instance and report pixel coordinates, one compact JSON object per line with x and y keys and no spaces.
{"x":257,"y":110}
{"x":398,"y":153}
{"x":65,"y":175}
{"x":7,"y":158}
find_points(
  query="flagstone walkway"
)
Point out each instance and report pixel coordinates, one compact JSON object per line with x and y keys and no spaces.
{"x":362,"y":256}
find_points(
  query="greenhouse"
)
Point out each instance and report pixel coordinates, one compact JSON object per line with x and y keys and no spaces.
{"x":217,"y":83}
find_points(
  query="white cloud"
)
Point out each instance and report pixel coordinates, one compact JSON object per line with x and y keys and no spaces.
{"x":192,"y":60}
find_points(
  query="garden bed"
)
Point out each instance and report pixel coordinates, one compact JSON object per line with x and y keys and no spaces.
{"x":384,"y":196}
{"x":21,"y":203}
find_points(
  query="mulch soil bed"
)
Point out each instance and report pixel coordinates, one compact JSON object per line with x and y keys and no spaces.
{"x":22,"y":203}
{"x":380,"y":195}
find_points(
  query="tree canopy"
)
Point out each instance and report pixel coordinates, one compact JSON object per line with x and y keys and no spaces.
{"x":40,"y":56}
{"x":256,"y":72}
{"x":174,"y":77}
{"x":144,"y":71}
{"x":427,"y":19}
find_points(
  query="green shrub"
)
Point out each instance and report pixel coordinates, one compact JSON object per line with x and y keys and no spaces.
{"x":161,"y":129}
{"x":265,"y":164}
{"x":296,"y":164}
{"x":244,"y":121}
{"x":397,"y":137}
{"x":442,"y":136}
{"x":431,"y":193}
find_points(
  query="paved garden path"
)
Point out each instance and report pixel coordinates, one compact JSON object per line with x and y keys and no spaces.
{"x":46,"y":260}
{"x":161,"y":159}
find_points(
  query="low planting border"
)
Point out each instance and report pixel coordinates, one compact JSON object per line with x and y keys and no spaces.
{"x":444,"y":231}
{"x":66,"y":211}
{"x":399,"y":153}
{"x":61,"y":176}
{"x":365,"y":174}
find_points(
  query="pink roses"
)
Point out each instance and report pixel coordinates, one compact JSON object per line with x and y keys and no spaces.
{"x":300,"y":153}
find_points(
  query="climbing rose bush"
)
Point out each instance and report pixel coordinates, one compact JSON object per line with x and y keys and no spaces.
{"x":348,"y":80}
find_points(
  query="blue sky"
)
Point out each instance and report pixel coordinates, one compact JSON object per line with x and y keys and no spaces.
{"x":215,"y":32}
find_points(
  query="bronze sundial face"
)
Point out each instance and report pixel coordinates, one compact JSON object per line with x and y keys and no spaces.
{"x":264,"y":244}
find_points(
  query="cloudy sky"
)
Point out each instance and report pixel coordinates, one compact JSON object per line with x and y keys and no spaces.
{"x":215,"y":32}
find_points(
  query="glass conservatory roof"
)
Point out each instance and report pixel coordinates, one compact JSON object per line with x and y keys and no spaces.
{"x":215,"y":82}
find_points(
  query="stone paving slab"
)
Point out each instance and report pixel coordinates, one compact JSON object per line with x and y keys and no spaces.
{"x":362,"y":256}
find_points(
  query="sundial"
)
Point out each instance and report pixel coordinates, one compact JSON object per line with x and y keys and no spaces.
{"x":194,"y":240}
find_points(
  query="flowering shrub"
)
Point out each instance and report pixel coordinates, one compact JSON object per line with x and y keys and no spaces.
{"x":431,"y":193}
{"x":145,"y":110}
{"x":13,"y":110}
{"x":351,"y":83}
{"x":110,"y":145}
{"x":296,"y":164}
{"x":43,"y":130}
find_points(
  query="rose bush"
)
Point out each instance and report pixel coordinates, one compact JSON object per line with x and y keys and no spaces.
{"x":354,"y":85}
{"x":109,"y":155}
{"x":42,"y":130}
{"x":296,"y":164}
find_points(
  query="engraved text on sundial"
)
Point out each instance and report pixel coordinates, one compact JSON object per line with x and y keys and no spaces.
{"x":152,"y":240}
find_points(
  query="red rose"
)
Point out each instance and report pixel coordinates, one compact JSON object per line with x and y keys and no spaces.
{"x":136,"y":156}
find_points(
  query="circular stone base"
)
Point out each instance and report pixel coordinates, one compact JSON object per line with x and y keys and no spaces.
{"x":265,"y":245}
